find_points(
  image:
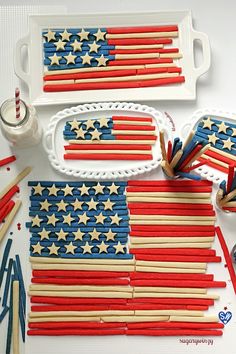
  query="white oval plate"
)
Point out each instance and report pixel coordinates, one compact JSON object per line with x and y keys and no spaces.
{"x":54,"y":142}
{"x":205,"y":171}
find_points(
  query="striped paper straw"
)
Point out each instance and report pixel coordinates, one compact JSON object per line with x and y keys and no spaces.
{"x":17,"y":100}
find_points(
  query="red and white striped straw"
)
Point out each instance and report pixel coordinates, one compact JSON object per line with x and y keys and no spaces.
{"x":17,"y":100}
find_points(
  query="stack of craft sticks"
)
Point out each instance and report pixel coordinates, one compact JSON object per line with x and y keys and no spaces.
{"x":110,"y":58}
{"x":14,"y":299}
{"x":112,"y":138}
{"x":226,"y":196}
{"x":178,"y":158}
{"x":85,"y":280}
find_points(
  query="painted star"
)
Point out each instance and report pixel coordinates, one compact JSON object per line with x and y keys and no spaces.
{"x":74,"y":124}
{"x":95,"y":135}
{"x":212,"y":138}
{"x":86,"y":59}
{"x":87,"y":248}
{"x":70,"y":58}
{"x":103,"y":122}
{"x":55,"y":59}
{"x":37,"y":248}
{"x":119,"y":248}
{"x":53,"y":190}
{"x":102,"y":247}
{"x":90,"y":124}
{"x":94,"y":47}
{"x":36,"y":221}
{"x":98,"y":188}
{"x":83,"y":218}
{"x":67,"y":219}
{"x":61,"y":235}
{"x":108,"y":205}
{"x":77,"y":205}
{"x":65,"y":36}
{"x":67,"y":190}
{"x":115,"y":219}
{"x":207,"y":123}
{"x":61,"y":205}
{"x":92,"y":204}
{"x":100,"y":218}
{"x":102,"y":60}
{"x":52,"y":219}
{"x":38,"y":189}
{"x":83,"y":35}
{"x":76,"y":46}
{"x":99,"y":35}
{"x":233,"y":131}
{"x":60,"y":45}
{"x":78,"y":235}
{"x":45,"y":205}
{"x":50,"y":35}
{"x":222,"y":127}
{"x":80,"y":133}
{"x":84,"y":190}
{"x":53,"y":249}
{"x":228,"y":144}
{"x":95,"y":235}
{"x":113,"y":188}
{"x":110,"y":236}
{"x":44,"y":234}
{"x":70,"y":248}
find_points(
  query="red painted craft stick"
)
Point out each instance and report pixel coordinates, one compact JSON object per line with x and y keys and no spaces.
{"x":173,"y":332}
{"x":84,"y":325}
{"x":170,"y":183}
{"x":169,"y":206}
{"x":48,"y":308}
{"x":229,"y":209}
{"x":174,"y":251}
{"x":7,"y":160}
{"x":197,"y":307}
{"x":106,"y":147}
{"x":143,"y":50}
{"x":185,"y":301}
{"x":227,"y":257}
{"x":179,"y":283}
{"x":171,"y":69}
{"x":214,"y":165}
{"x":171,"y":233}
{"x":160,"y":82}
{"x":8,"y":196}
{"x":171,"y":276}
{"x":76,"y":281}
{"x":139,"y":41}
{"x":141,"y":29}
{"x":171,"y":258}
{"x":172,"y":227}
{"x":169,"y":150}
{"x":174,"y":189}
{"x":74,"y":301}
{"x":91,"y":86}
{"x":76,"y":332}
{"x":193,"y":167}
{"x":107,"y":157}
{"x":138,"y":306}
{"x":135,"y":137}
{"x":79,"y":274}
{"x":230,"y":178}
{"x":171,"y":212}
{"x":92,"y":74}
{"x":139,"y":61}
{"x":174,"y":325}
{"x":133,"y":118}
{"x":6,"y":210}
{"x":133,"y":127}
{"x":220,"y":157}
{"x":190,"y":156}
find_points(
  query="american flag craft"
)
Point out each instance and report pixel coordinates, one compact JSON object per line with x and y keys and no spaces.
{"x":122,"y":258}
{"x":111,"y":138}
{"x":221,"y":135}
{"x":110,"y":58}
{"x":226,"y":195}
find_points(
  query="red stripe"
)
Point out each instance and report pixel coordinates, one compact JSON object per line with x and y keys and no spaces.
{"x":171,"y":276}
{"x":171,"y":258}
{"x":190,"y":156}
{"x":139,"y":41}
{"x":158,"y":70}
{"x":76,"y":281}
{"x":203,"y":189}
{"x":74,"y":300}
{"x":8,"y":196}
{"x":144,"y":61}
{"x":214,"y":165}
{"x":133,"y":127}
{"x":229,"y":209}
{"x":78,"y":274}
{"x":171,"y":212}
{"x":160,"y":82}
{"x":138,"y":119}
{"x":175,"y":251}
{"x":135,"y":137}
{"x":107,"y":157}
{"x":178,"y":283}
{"x":141,"y":29}
{"x":173,"y":332}
{"x":174,"y":325}
{"x":170,"y":183}
{"x":91,"y":325}
{"x":7,"y":160}
{"x":75,"y":332}
{"x":142,"y":51}
{"x":230,"y":178}
{"x":170,"y":206}
{"x":220,"y":157}
{"x":185,"y":301}
{"x":107,"y":147}
{"x":172,"y":234}
{"x":197,"y":308}
{"x":172,"y":227}
{"x":169,"y":150}
{"x":6,"y":210}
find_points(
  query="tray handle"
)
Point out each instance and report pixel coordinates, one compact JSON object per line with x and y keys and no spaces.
{"x":206,"y":51}
{"x":47,"y":141}
{"x":19,"y":71}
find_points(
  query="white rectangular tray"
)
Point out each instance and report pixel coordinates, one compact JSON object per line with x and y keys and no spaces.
{"x":34,"y":77}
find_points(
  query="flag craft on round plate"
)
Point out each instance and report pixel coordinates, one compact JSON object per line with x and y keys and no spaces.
{"x":110,"y":58}
{"x":110,"y":138}
{"x":116,"y":258}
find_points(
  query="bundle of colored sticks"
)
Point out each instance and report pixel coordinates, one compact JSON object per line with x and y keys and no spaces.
{"x":13,"y":300}
{"x":226,"y":195}
{"x":111,"y":138}
{"x":178,"y":159}
{"x":87,"y":282}
{"x":110,"y":58}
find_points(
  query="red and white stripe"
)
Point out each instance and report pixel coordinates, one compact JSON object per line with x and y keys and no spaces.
{"x":17,"y":102}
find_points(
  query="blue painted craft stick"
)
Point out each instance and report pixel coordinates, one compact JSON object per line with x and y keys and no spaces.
{"x":91,"y":30}
{"x":81,"y":198}
{"x":78,"y":60}
{"x":53,"y":208}
{"x":77,"y":243}
{"x":7,"y":284}
{"x":189,"y":175}
{"x":3,"y":313}
{"x":10,"y":320}
{"x":90,"y":256}
{"x":49,"y":47}
{"x":88,"y":137}
{"x":71,"y":66}
{"x":84,"y":229}
{"x":21,"y":281}
{"x":219,"y":145}
{"x":188,"y":149}
{"x":175,"y":147}
{"x":68,"y":131}
{"x":77,"y":213}
{"x":71,"y":238}
{"x":223,"y":186}
{"x":218,"y":121}
{"x":222,"y":136}
{"x":4,"y":259}
{"x":74,"y":224}
{"x":77,"y":192}
{"x":22,"y":319}
{"x":75,"y":184}
{"x":67,"y":126}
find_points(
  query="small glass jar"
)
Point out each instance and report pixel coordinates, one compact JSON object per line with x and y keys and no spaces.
{"x":20,"y":132}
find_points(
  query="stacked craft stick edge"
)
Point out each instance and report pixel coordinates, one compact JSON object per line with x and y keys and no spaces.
{"x":129,"y":272}
{"x":110,"y":58}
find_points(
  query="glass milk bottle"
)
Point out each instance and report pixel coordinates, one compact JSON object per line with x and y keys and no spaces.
{"x":21,"y":132}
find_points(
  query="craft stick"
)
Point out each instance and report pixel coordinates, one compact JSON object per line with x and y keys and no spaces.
{"x":173,"y":332}
{"x":166,"y":167}
{"x":93,"y":261}
{"x":191,"y":155}
{"x":107,"y":147}
{"x":89,"y":267}
{"x":157,"y":240}
{"x":96,"y":313}
{"x":217,"y":162}
{"x":154,"y":257}
{"x":4,"y":313}
{"x":221,"y":152}
{"x":175,"y":189}
{"x":220,"y":157}
{"x":188,"y":139}
{"x":115,"y":142}
{"x":141,"y":29}
{"x":138,"y":41}
{"x":211,"y":319}
{"x":7,"y":160}
{"x":15,"y":326}
{"x":6,"y":210}
{"x":187,"y":325}
{"x":169,"y":313}
{"x":172,"y":264}
{"x":81,"y":325}
{"x":134,"y":318}
{"x":15,"y":181}
{"x":230,"y":177}
{"x":168,"y":200}
{"x":64,"y":319}
{"x":105,"y":156}
{"x":228,"y":197}
{"x":145,"y":268}
{"x":7,"y":283}
{"x":227,"y":257}
{"x":162,"y":145}
{"x":90,"y":294}
{"x":173,"y":245}
{"x":9,"y":220}
{"x":170,"y":212}
{"x":170,"y":206}
{"x":5,"y":259}
{"x":171,"y":222}
{"x":175,"y":295}
{"x":75,"y":281}
{"x":87,"y":288}
{"x":76,"y":301}
{"x":123,"y":117}
{"x":198,"y":154}
{"x":214,"y":165}
{"x":10,"y":321}
{"x":162,"y":289}
{"x":176,"y":283}
{"x":193,"y":167}
{"x":170,"y":276}
{"x":79,"y":274}
{"x":169,"y":194}
{"x":230,"y":205}
{"x":108,"y":152}
{"x":178,"y":251}
{"x":8,"y":196}
{"x":170,"y":183}
{"x":171,"y":217}
{"x":75,"y":332}
{"x":173,"y":228}
{"x":176,"y":159}
{"x":142,"y":35}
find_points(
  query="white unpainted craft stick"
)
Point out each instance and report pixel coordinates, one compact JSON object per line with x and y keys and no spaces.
{"x":169,"y":200}
{"x":114,"y":142}
{"x":142,"y":46}
{"x":216,"y":161}
{"x":64,"y":319}
{"x":170,"y":195}
{"x":15,"y":322}
{"x":167,"y":169}
{"x":171,"y":217}
{"x":96,"y":313}
{"x":162,"y":289}
{"x":15,"y":181}
{"x":142,"y":35}
{"x":198,"y":154}
{"x":87,"y":288}
{"x":134,"y":318}
{"x":9,"y":219}
{"x":223,"y":153}
{"x":169,"y":313}
{"x":173,"y":245}
{"x":131,"y":122}
{"x":84,"y":261}
{"x":143,"y":240}
{"x":169,"y":270}
{"x":194,"y":319}
{"x":133,"y":132}
{"x":89,"y":294}
{"x":108,"y":267}
{"x":172,"y":264}
{"x":171,"y":222}
{"x":189,"y":138}
{"x":176,"y":158}
{"x":177,"y":295}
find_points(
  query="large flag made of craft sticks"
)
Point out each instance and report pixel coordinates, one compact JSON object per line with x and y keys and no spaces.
{"x":103,"y":58}
{"x":122,"y":258}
